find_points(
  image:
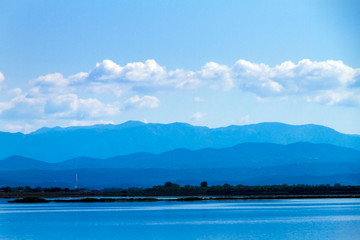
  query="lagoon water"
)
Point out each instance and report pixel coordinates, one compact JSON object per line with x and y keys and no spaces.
{"x":255,"y":219}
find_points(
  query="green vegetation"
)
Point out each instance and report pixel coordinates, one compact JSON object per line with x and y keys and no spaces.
{"x":173,"y":189}
{"x":170,"y":189}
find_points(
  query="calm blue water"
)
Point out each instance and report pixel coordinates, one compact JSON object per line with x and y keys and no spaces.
{"x":263,"y":219}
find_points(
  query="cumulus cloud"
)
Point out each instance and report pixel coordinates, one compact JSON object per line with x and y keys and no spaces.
{"x":303,"y":78}
{"x":22,"y":106}
{"x":331,"y":97}
{"x":290,"y":78}
{"x":71,"y":106}
{"x":104,"y":90}
{"x":54,"y":96}
{"x":1,"y":77}
{"x":148,"y":71}
{"x":313,"y":76}
{"x":142,"y":76}
{"x":50,"y":83}
{"x":217,"y":75}
{"x":198,"y":116}
{"x":56,"y":107}
{"x":142,"y":102}
{"x":327,"y":80}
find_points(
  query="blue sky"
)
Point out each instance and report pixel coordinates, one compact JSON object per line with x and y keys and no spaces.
{"x":211,"y":63}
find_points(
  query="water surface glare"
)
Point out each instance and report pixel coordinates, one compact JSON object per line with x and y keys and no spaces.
{"x":251,"y":219}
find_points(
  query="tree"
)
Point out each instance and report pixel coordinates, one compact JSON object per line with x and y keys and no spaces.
{"x":204,"y":184}
{"x":170,"y":184}
{"x":8,"y":189}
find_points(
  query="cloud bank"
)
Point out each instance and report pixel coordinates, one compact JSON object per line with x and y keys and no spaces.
{"x":109,"y":89}
{"x":142,"y":102}
{"x":328,"y":80}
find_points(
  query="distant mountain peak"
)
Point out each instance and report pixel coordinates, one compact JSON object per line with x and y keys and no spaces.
{"x":132,"y":123}
{"x":107,"y":140}
{"x":110,"y":126}
{"x":44,"y":130}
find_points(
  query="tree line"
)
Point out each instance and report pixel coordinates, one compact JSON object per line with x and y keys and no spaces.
{"x":174,"y":189}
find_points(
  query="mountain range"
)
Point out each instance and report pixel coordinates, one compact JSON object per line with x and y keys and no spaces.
{"x":246,"y":163}
{"x":238,"y":156}
{"x":105,"y":141}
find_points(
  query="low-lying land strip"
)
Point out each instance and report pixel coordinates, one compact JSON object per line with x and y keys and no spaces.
{"x":203,"y":192}
{"x":183,"y":199}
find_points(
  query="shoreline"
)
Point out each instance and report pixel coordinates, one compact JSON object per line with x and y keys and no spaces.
{"x":203,"y":192}
{"x":180,"y":199}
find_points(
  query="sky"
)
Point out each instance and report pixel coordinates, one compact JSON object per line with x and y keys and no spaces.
{"x":207,"y":63}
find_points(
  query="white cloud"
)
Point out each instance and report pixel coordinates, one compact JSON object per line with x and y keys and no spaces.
{"x":142,"y":102}
{"x":51,"y":80}
{"x":356,"y":81}
{"x":50,"y":83}
{"x":94,"y":95}
{"x":4,"y":106}
{"x":345,"y":98}
{"x":105,"y":70}
{"x":217,"y":75}
{"x":312,"y":76}
{"x":288,"y":78}
{"x":141,"y":76}
{"x":56,"y":107}
{"x":14,"y":92}
{"x":257,"y":78}
{"x":198,"y":116}
{"x":78,"y":77}
{"x":303,"y":78}
{"x":71,"y":106}
{"x":148,"y":71}
{"x":2,"y":78}
{"x":22,"y":106}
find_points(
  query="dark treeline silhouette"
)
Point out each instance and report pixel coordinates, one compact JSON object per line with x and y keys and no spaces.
{"x":173,"y":189}
{"x":38,"y":189}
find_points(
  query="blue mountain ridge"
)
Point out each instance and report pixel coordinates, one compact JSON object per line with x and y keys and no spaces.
{"x":241,"y":155}
{"x":105,"y":141}
{"x":246,"y":163}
